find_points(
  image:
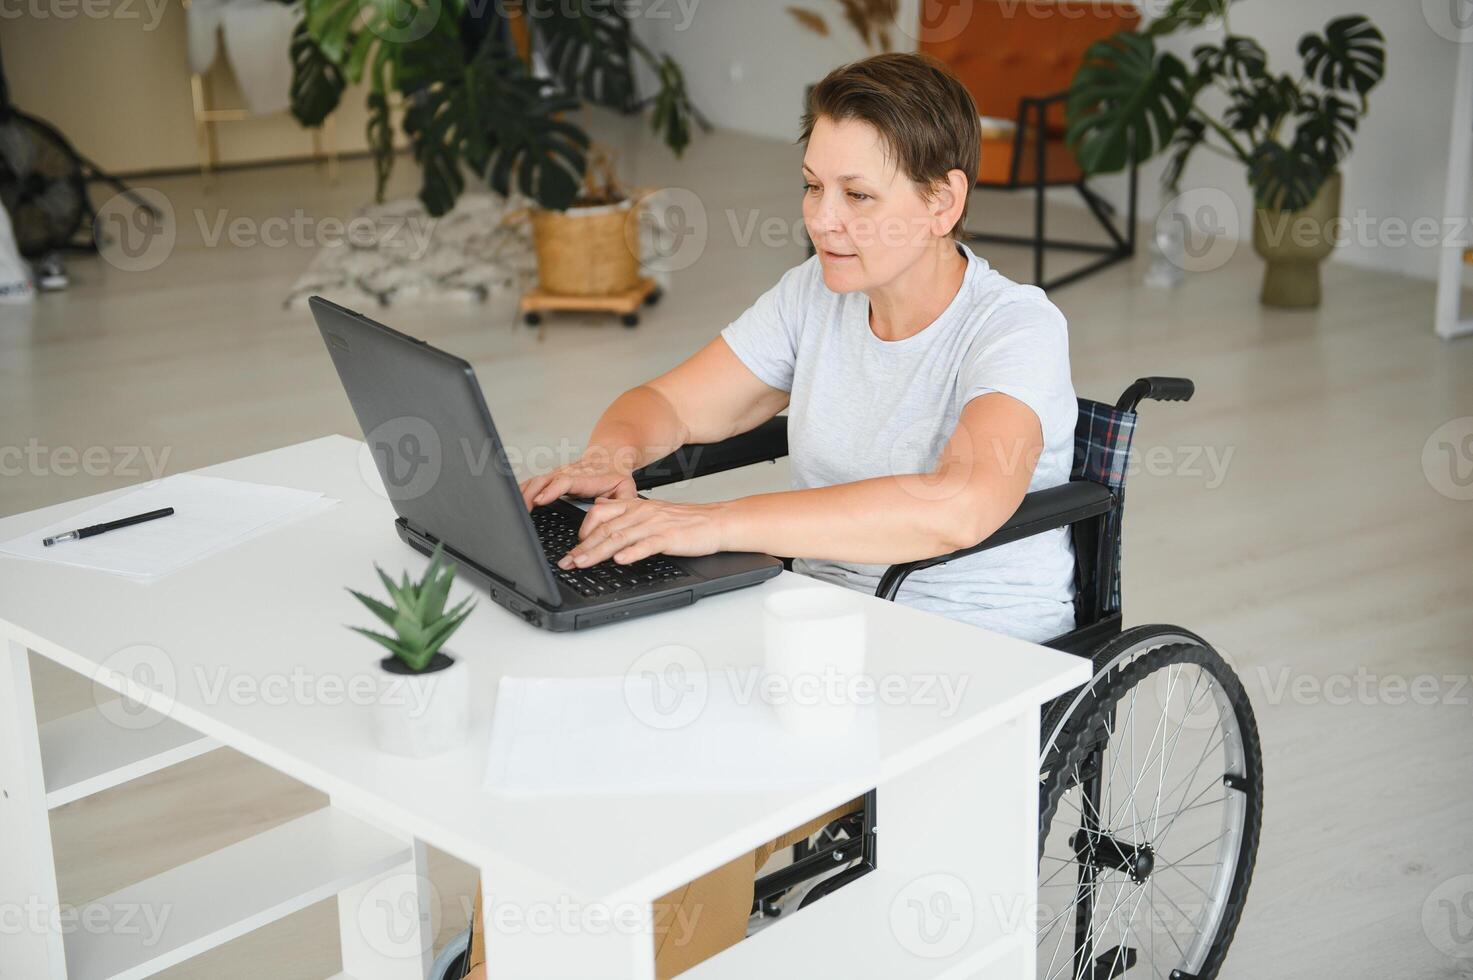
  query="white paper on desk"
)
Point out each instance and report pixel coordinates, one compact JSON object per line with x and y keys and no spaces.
{"x":210,"y":514}
{"x":579,"y":737}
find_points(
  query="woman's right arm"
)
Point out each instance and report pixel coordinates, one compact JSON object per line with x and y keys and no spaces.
{"x":709,"y":397}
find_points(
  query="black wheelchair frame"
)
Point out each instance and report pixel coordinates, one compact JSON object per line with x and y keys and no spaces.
{"x":1092,"y":511}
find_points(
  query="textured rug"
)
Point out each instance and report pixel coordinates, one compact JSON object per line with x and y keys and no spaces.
{"x":394,"y":253}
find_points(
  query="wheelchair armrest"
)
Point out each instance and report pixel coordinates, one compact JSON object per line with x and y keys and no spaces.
{"x":1041,"y":511}
{"x":765,"y":443}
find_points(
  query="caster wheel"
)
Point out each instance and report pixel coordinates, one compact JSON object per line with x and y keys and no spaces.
{"x":531,"y":319}
{"x":653,"y":297}
{"x":630,"y":319}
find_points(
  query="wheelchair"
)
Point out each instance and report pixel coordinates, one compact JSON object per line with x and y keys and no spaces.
{"x":1150,"y":775}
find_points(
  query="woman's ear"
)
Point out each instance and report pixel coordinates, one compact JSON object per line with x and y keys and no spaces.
{"x":949,"y":201}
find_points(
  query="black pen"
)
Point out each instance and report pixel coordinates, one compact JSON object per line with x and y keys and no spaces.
{"x":87,"y":532}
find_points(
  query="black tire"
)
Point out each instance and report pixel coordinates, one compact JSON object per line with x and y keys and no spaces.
{"x":1078,"y":731}
{"x":630,"y":319}
{"x":531,"y":319}
{"x":653,"y":297}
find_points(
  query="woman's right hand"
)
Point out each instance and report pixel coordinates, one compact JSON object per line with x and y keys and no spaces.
{"x":589,"y":477}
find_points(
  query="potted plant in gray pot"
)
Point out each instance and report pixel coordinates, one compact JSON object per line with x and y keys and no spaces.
{"x":1290,"y":133}
{"x":423,"y":703}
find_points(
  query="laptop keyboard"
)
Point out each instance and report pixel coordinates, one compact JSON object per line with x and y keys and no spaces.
{"x":559,"y":534}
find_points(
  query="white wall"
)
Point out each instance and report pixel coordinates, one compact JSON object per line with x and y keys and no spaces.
{"x":747,"y":62}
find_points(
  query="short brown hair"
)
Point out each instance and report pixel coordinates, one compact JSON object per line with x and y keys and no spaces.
{"x":924,"y":115}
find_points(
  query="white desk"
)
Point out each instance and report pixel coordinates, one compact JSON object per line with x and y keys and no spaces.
{"x":953,"y":894}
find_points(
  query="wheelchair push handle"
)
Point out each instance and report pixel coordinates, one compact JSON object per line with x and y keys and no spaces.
{"x":1156,"y":389}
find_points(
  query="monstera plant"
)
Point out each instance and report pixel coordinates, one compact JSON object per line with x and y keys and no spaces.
{"x":471,"y":101}
{"x":1290,"y":132}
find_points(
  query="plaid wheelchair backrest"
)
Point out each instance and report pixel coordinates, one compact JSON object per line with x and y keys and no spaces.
{"x":1102,"y":455}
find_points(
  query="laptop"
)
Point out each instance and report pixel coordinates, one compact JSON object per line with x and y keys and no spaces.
{"x":445,"y":469}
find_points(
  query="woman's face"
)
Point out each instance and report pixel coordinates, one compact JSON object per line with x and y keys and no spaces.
{"x":867,"y":219}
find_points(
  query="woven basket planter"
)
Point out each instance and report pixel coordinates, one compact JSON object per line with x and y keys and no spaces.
{"x":588,"y":251}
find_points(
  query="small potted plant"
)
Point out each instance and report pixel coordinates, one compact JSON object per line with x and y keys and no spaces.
{"x":1291,"y":133}
{"x":423,"y":707}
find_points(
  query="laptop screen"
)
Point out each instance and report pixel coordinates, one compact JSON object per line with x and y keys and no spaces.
{"x":430,"y":441}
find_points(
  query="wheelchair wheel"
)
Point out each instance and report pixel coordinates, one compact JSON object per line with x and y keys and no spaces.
{"x":1150,"y":808}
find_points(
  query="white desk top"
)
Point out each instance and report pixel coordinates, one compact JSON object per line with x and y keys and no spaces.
{"x":275,"y":607}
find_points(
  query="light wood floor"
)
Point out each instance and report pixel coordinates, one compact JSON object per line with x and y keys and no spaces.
{"x":1321,"y":549}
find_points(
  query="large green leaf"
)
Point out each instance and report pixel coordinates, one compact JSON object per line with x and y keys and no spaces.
{"x":348,"y":31}
{"x":487,"y":112}
{"x":1237,"y":59}
{"x":1351,"y":56}
{"x":1326,"y":129}
{"x":587,"y":46}
{"x":1126,"y":100}
{"x":317,"y":83}
{"x":1284,"y":177}
{"x":1261,"y":104}
{"x":1186,"y":13}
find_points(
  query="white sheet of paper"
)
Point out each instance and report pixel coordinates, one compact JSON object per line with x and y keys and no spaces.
{"x":553,"y":737}
{"x":210,"y":514}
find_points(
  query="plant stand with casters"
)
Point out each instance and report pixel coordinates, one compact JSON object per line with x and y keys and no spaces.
{"x":536,"y":301}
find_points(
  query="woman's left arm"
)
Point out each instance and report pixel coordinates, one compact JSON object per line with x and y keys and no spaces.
{"x":977,"y":484}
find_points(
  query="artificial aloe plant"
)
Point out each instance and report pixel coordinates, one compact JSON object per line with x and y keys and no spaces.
{"x":1129,"y":99}
{"x":418,"y":616}
{"x":470,"y":99}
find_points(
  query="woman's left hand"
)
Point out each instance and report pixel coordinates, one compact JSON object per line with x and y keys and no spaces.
{"x":628,"y":530}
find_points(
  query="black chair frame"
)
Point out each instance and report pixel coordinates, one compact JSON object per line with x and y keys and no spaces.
{"x":1032,"y":123}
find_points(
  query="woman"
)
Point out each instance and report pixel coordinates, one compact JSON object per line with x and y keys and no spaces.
{"x":926,"y":394}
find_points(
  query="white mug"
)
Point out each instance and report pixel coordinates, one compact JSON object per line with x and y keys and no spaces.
{"x":814,"y":653}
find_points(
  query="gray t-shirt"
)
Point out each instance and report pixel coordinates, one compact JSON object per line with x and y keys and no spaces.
{"x":862,"y":407}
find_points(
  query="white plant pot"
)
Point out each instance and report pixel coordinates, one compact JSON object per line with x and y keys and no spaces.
{"x":424,"y":714}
